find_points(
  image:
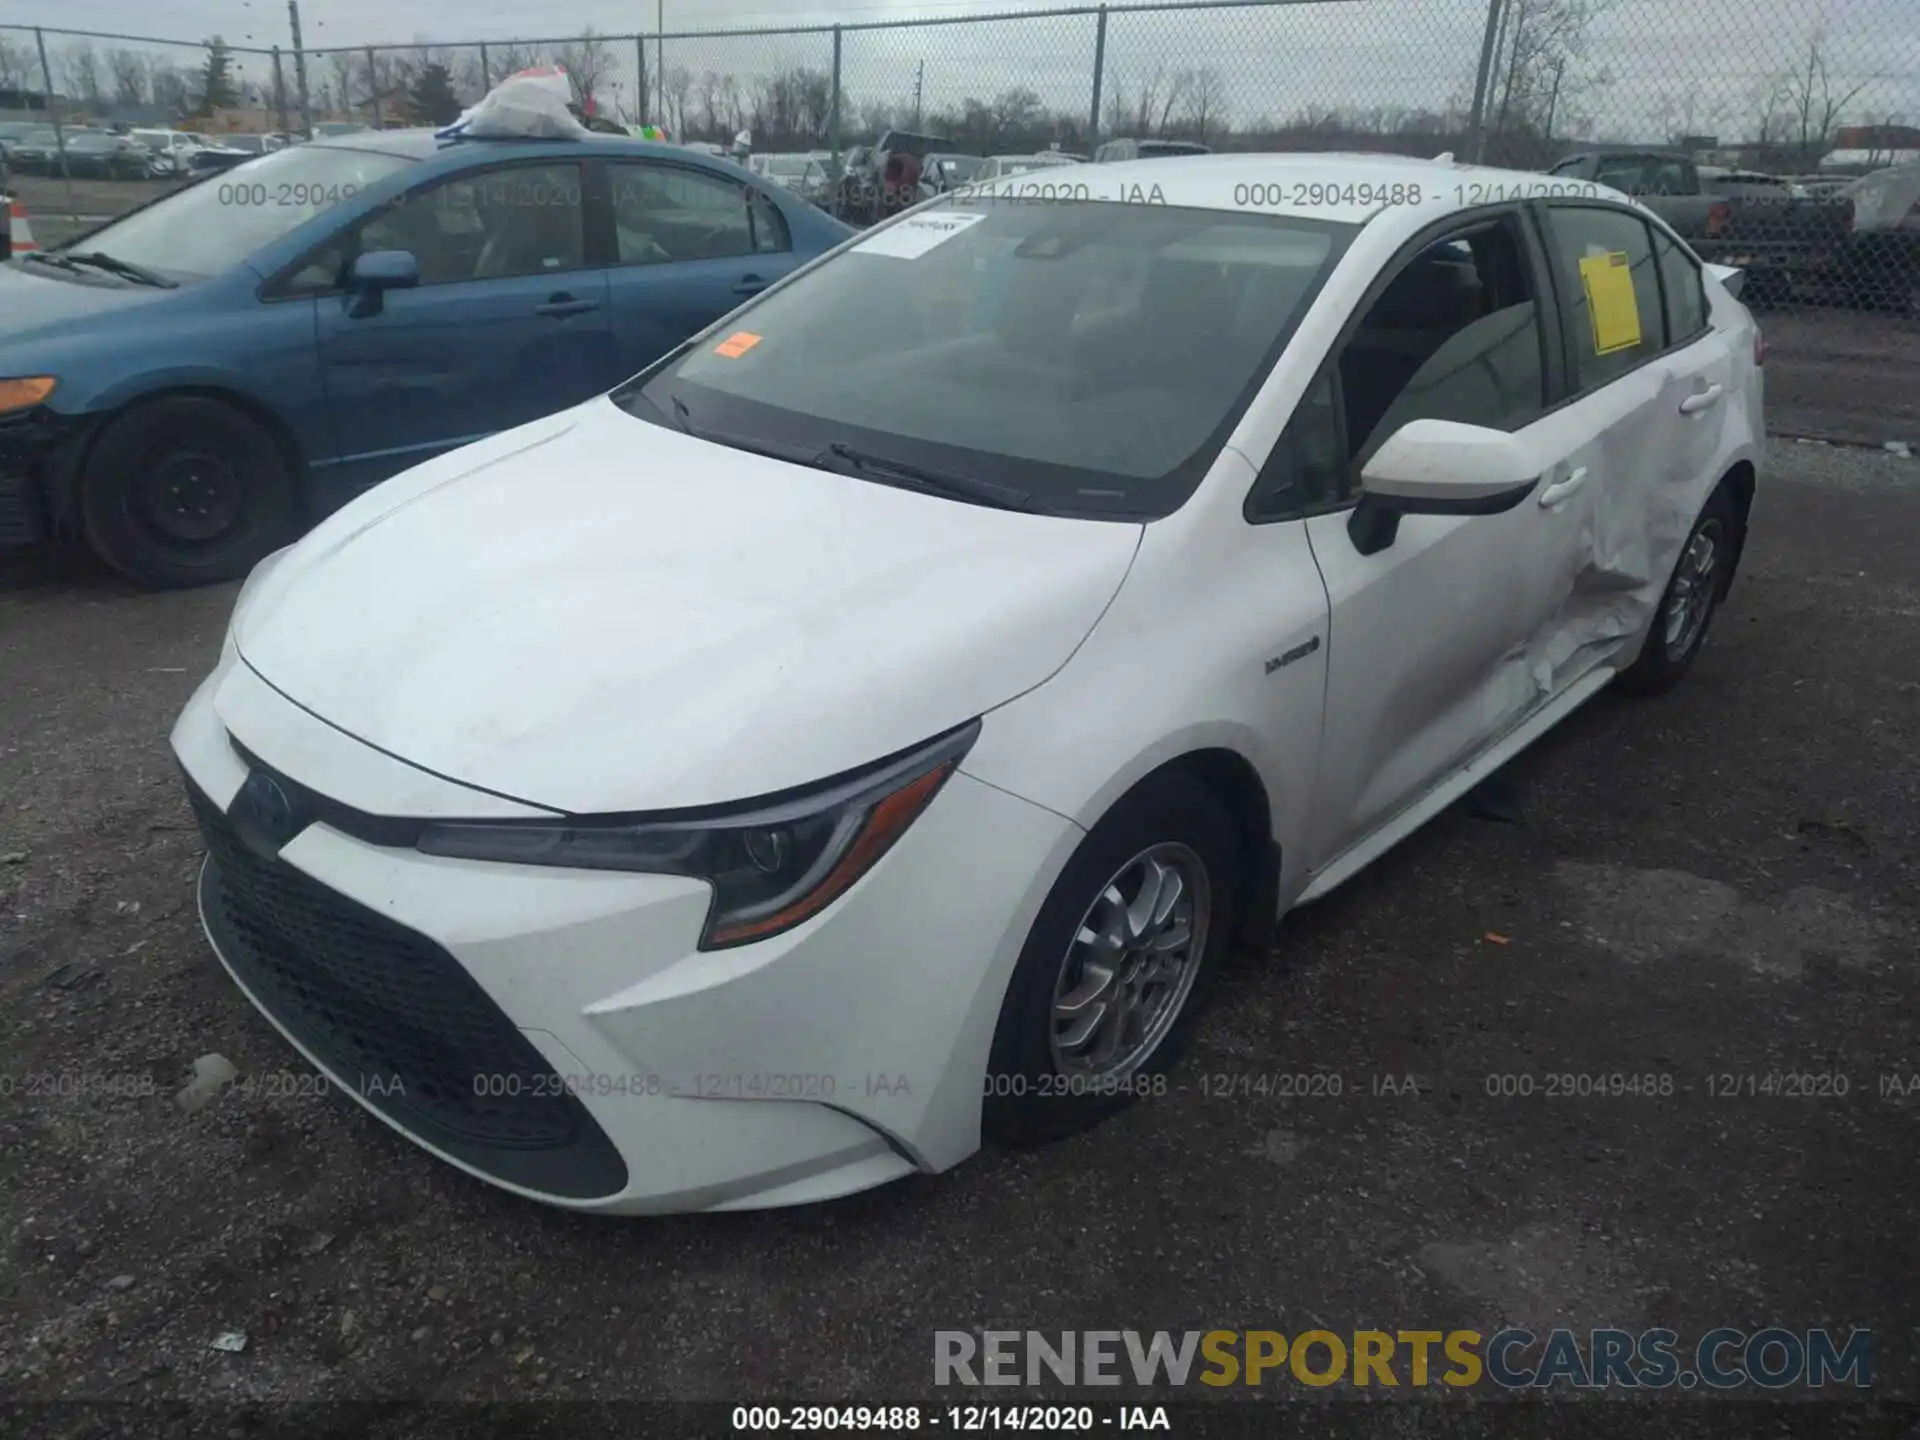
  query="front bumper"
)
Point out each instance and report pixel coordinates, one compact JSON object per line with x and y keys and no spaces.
{"x":558,"y":1033}
{"x":35,"y":448}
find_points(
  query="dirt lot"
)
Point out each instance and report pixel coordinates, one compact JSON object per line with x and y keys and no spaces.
{"x":1720,"y":883}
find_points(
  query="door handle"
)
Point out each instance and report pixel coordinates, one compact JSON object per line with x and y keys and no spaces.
{"x":749,"y":285}
{"x":1701,"y":399}
{"x":1560,"y":490}
{"x":566,"y":305}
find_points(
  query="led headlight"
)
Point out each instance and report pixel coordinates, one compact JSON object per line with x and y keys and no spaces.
{"x":772,"y":863}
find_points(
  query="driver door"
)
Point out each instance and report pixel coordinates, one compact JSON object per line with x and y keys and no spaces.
{"x":688,"y":246}
{"x":507,"y":323}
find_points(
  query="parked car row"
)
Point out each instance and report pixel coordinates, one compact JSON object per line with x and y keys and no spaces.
{"x":1858,"y":237}
{"x":93,"y":153}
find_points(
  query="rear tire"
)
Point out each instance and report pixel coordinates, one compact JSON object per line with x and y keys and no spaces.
{"x":1164,"y":863}
{"x":186,"y":491}
{"x":1693,"y":595}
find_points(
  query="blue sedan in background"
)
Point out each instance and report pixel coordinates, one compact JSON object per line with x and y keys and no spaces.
{"x":185,"y":388}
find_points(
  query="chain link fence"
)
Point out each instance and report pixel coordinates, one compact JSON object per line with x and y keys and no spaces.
{"x":1778,"y":112}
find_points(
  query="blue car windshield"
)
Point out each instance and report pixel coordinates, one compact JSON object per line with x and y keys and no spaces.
{"x":208,"y":228}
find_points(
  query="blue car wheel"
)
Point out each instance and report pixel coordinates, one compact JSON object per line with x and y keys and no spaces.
{"x":186,"y":490}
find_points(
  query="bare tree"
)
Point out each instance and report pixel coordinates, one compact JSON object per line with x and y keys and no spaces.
{"x":1807,"y":94}
{"x":345,"y":75}
{"x":129,"y":71}
{"x":1540,"y":40}
{"x":1204,"y":99}
{"x":1176,"y":93}
{"x":1147,"y":103}
{"x":173,"y":88}
{"x":674,"y":104}
{"x":81,"y":69}
{"x":17,"y":63}
{"x":587,"y":63}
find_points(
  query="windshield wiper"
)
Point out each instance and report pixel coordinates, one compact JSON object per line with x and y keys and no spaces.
{"x":683,"y":418}
{"x":125,"y":269}
{"x":935,"y":482}
{"x":49,"y":257}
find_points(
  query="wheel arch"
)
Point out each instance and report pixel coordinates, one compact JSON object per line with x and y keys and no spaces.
{"x":1232,"y":778}
{"x":1739,"y":482}
{"x":64,"y":499}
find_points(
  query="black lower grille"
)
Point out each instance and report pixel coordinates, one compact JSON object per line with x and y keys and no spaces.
{"x":389,"y":1012}
{"x":21,"y":520}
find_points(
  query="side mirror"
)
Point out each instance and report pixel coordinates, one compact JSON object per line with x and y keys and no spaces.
{"x":372,"y":274}
{"x":384,"y":270}
{"x":1438,"y":467}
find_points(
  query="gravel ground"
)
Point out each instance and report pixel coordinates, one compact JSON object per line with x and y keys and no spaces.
{"x":1718,"y":883}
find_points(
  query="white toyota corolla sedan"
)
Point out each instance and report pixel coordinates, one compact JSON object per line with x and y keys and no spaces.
{"x":863,"y":733}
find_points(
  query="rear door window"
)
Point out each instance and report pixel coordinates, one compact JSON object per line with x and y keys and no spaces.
{"x":1610,"y":290}
{"x":1684,"y":291}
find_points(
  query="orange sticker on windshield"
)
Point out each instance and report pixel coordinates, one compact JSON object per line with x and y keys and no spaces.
{"x":736,"y":344}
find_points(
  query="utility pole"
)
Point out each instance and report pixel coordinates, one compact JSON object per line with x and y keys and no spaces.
{"x":919,"y":83}
{"x":660,"y":44}
{"x":300,"y":68}
{"x":60,"y":134}
{"x":280,"y":93}
{"x":1482,"y":83}
{"x":1099,"y":70}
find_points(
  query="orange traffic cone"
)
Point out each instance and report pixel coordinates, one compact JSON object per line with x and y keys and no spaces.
{"x":19,"y":230}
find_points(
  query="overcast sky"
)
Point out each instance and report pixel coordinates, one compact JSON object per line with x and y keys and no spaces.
{"x":1643,"y":57}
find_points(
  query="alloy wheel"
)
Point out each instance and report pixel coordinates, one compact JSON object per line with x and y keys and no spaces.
{"x":1691,"y":599}
{"x":1131,"y":964}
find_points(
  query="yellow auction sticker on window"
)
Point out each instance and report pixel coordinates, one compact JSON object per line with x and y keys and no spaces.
{"x":737,"y":344}
{"x":1608,"y":279}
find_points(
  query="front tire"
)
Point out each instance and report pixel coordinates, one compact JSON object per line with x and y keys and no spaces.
{"x":186,"y":491}
{"x":1693,"y":595}
{"x":1118,"y":964}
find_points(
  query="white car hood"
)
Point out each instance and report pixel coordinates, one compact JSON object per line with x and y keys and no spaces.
{"x":593,"y":613}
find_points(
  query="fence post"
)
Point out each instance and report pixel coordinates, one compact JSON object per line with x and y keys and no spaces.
{"x":300,"y":67}
{"x":1099,"y":70}
{"x":373,"y":87}
{"x":59,"y":130}
{"x":486,"y":70}
{"x":640,"y":61}
{"x":833,"y":107}
{"x":1477,"y":121}
{"x":280,"y":93}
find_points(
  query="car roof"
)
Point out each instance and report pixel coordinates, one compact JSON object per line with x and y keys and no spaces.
{"x":426,"y":144}
{"x":1318,"y":185}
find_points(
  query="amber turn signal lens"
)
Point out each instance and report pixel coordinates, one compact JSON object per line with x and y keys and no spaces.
{"x":25,"y":393}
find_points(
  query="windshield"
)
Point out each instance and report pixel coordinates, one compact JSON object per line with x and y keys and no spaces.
{"x":208,"y":228}
{"x":1092,"y":355}
{"x":787,"y":164}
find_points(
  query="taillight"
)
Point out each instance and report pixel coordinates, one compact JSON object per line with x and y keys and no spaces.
{"x":1719,"y":217}
{"x":1759,"y":347}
